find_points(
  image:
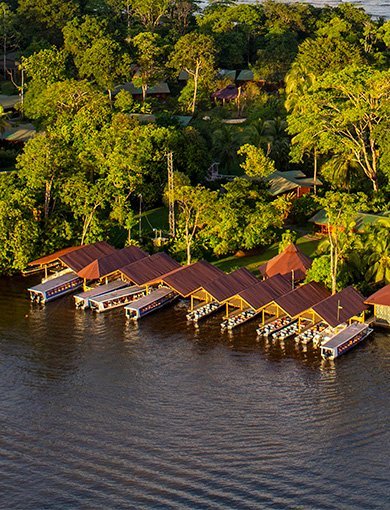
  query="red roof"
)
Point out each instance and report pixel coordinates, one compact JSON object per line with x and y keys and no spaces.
{"x":291,"y":259}
{"x":108,"y":264}
{"x":302,"y":298}
{"x":266,"y":291}
{"x":53,"y":256}
{"x":78,"y":259}
{"x":228,"y":285}
{"x":188,"y":279}
{"x":340,"y":307}
{"x":381,"y":297}
{"x":148,"y":269}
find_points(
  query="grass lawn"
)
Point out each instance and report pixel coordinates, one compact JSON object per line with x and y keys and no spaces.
{"x":307,"y":243}
{"x":155,"y":218}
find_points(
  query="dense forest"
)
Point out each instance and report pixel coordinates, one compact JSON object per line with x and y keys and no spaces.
{"x":89,"y":74}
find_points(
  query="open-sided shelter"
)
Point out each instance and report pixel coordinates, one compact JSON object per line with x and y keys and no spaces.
{"x":291,"y":261}
{"x":224,"y":287}
{"x":78,"y":259}
{"x":257,"y":296}
{"x":187,"y":279}
{"x":344,"y":306}
{"x":302,"y":298}
{"x":146,"y":271}
{"x":108,"y":265}
{"x":381,"y":303}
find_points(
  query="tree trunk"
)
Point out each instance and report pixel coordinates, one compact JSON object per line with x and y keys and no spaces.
{"x":144,"y":90}
{"x":196,"y":77}
{"x":48,"y":185}
{"x":315,"y":171}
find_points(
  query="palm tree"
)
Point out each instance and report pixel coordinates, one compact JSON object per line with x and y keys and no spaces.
{"x":378,"y":245}
{"x":340,"y":169}
{"x":272,"y":137}
{"x":226,"y":140}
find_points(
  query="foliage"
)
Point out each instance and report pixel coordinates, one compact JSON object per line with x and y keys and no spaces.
{"x":288,"y":237}
{"x":256,"y":163}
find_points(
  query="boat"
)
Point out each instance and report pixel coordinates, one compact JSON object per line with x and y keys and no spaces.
{"x":55,"y":287}
{"x":345,"y":340}
{"x":275,"y":326}
{"x":150,"y":303}
{"x":286,"y":332}
{"x":238,"y":318}
{"x":83,"y":300}
{"x":116,"y":298}
{"x":203,"y":311}
{"x":311,"y":334}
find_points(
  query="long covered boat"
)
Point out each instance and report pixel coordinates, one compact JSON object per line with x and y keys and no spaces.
{"x":345,"y":340}
{"x":82,"y":300}
{"x":55,"y":287}
{"x":116,"y":298}
{"x":150,"y":303}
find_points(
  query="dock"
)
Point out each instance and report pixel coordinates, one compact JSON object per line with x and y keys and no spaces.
{"x":116,"y":298}
{"x":82,"y":300}
{"x":204,"y":311}
{"x":238,"y":318}
{"x":152,"y":302}
{"x":55,"y":287}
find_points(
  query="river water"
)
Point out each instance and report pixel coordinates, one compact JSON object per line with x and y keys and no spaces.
{"x":376,"y":8}
{"x":99,"y":414}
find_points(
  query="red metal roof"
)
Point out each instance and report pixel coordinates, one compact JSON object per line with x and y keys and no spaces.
{"x":302,"y":298}
{"x":228,"y":285}
{"x":147,"y":269}
{"x":266,"y":291}
{"x":108,"y":264}
{"x":291,"y":259}
{"x":350,"y":301}
{"x":53,"y":256}
{"x":381,"y":297}
{"x":228,"y":93}
{"x":78,"y":259}
{"x":190,"y":278}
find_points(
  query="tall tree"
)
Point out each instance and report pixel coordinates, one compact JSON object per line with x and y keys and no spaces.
{"x":149,"y":52}
{"x":195,"y":53}
{"x":256,"y":163}
{"x":7,"y":32}
{"x":150,"y":12}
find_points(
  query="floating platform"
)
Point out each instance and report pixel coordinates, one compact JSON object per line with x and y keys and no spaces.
{"x":150,"y":303}
{"x":55,"y":287}
{"x":311,"y":334}
{"x":203,"y":311}
{"x":83,"y":300}
{"x":286,"y":332}
{"x":345,"y":340}
{"x":238,"y":318}
{"x":116,"y":298}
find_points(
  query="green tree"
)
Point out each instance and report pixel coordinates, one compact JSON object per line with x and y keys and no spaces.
{"x":8,"y":34}
{"x":377,"y":247}
{"x":149,"y":52}
{"x":195,"y":53}
{"x":256,"y":163}
{"x":150,"y":12}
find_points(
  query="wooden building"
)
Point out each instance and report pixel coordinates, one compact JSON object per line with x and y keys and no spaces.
{"x":381,"y":303}
{"x":292,"y":262}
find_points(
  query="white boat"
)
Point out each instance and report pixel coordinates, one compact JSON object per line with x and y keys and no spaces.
{"x":150,"y":303}
{"x":82,"y":300}
{"x":116,"y":298}
{"x":203,"y":311}
{"x":55,"y":287}
{"x":345,"y":340}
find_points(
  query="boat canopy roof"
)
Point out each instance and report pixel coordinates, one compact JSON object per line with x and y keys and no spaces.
{"x":302,"y":298}
{"x":148,"y":269}
{"x":188,"y":279}
{"x":291,"y":259}
{"x":345,"y":335}
{"x":147,"y":300}
{"x":381,"y":297}
{"x":86,"y":254}
{"x":228,"y":285}
{"x":54,"y":282}
{"x":266,"y":291}
{"x":108,"y":264}
{"x":340,"y":307}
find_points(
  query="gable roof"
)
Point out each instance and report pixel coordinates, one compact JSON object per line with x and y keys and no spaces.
{"x":283,"y":182}
{"x":159,"y":88}
{"x":291,"y":259}
{"x":149,"y":268}
{"x":380,"y":297}
{"x":245,"y":75}
{"x":108,"y":264}
{"x":362,"y":220}
{"x":266,"y":291}
{"x":228,"y":285}
{"x":302,"y":298}
{"x":78,"y":259}
{"x":351,"y":303}
{"x":53,"y":256}
{"x":188,"y":279}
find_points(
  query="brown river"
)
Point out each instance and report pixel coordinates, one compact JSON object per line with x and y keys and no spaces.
{"x":98,"y":413}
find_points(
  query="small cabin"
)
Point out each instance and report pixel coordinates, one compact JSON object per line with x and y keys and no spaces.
{"x":381,"y":303}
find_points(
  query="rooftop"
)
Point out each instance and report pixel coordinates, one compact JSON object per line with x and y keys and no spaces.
{"x":291,"y":259}
{"x":266,"y":291}
{"x":380,"y":297}
{"x":148,"y":269}
{"x":228,"y":285}
{"x":84,"y":255}
{"x":188,"y":279}
{"x":302,"y":298}
{"x":340,"y":307}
